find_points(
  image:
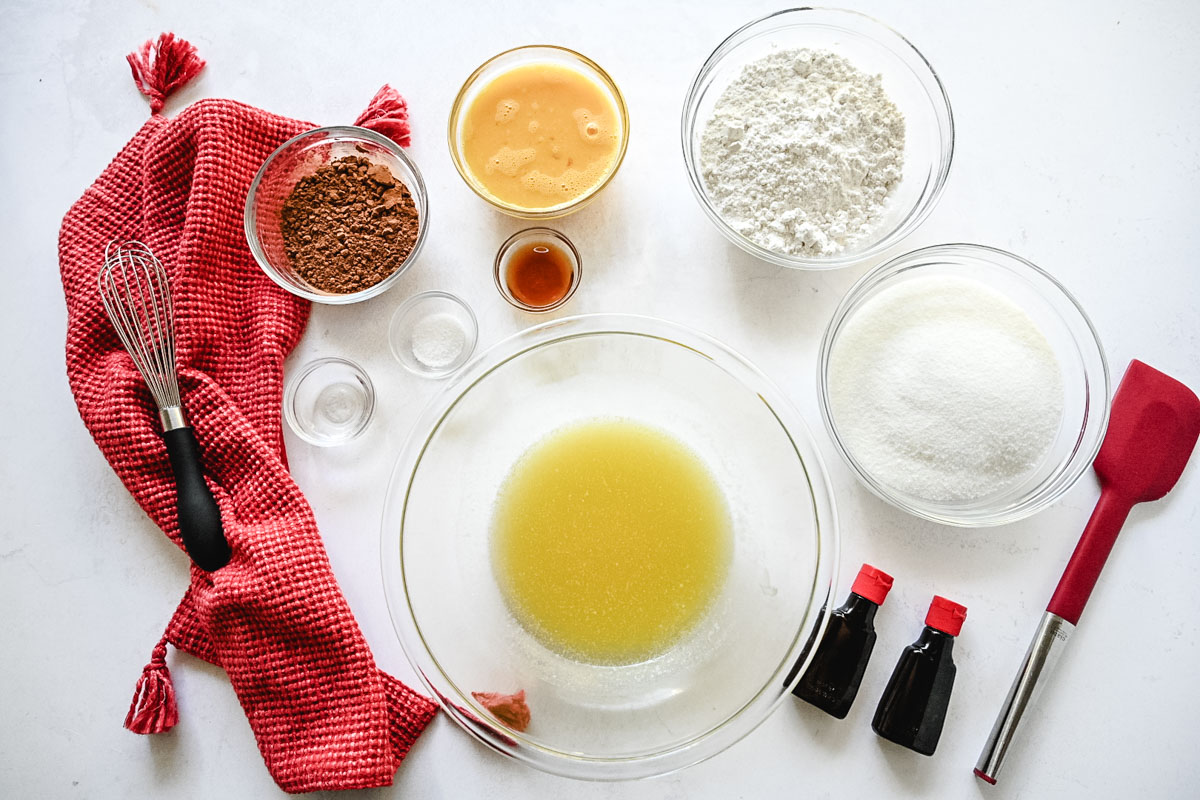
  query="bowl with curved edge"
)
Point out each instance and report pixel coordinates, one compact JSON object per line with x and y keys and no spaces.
{"x":708,"y":688}
{"x":874,"y":48}
{"x":527,"y":56}
{"x":300,"y":157}
{"x":1068,"y":334}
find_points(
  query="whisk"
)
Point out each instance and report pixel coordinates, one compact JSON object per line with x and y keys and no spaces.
{"x":137,"y":297}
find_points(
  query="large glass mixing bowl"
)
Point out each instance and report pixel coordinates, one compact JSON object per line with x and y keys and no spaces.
{"x":729,"y":672}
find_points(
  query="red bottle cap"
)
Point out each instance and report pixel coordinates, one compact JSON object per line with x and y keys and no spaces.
{"x":873,"y":584}
{"x":945,"y":615}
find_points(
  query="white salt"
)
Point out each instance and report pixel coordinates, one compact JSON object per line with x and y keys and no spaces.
{"x":944,"y":389}
{"x":438,"y":340}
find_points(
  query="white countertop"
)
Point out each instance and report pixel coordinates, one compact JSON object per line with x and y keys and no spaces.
{"x":1077,"y":148}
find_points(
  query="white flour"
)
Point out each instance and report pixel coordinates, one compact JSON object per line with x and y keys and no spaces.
{"x":945,"y":389}
{"x":801,"y":152}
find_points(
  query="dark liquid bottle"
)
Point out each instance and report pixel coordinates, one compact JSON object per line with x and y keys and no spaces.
{"x":832,"y":679}
{"x":913,"y":707}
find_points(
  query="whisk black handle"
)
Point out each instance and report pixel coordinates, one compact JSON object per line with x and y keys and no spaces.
{"x":199,"y":518}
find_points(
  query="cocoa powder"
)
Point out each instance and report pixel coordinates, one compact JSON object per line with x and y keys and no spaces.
{"x":349,"y":225}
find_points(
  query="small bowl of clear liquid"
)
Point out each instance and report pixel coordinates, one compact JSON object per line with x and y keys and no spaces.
{"x":329,"y":402}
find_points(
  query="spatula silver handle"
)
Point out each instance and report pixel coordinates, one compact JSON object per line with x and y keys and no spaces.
{"x":1044,"y":651}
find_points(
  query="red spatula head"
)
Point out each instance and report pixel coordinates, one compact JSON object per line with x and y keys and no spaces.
{"x":1151,"y":434}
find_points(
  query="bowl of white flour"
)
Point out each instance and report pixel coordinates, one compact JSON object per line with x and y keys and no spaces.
{"x":816,"y":138}
{"x":963,"y":384}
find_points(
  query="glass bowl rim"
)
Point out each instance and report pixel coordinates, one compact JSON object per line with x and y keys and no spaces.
{"x":725,"y":733}
{"x":292,"y":387}
{"x":563,"y":209}
{"x":412,"y":302}
{"x":1063,"y":303}
{"x":916,"y":216}
{"x":550,"y":233}
{"x":338,"y":133}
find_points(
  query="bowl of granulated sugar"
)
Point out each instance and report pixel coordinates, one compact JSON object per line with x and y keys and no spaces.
{"x":964,"y":385}
{"x":816,"y":138}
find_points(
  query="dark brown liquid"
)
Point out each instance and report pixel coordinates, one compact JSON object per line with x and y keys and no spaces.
{"x":913,"y":707}
{"x":832,"y":679}
{"x":539,"y":273}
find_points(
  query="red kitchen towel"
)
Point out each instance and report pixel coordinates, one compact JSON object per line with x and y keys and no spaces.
{"x":324,"y":716}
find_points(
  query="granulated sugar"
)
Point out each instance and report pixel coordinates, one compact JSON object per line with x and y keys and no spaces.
{"x":944,"y":389}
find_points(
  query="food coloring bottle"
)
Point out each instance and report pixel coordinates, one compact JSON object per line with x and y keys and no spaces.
{"x":913,"y":706}
{"x":832,"y":679}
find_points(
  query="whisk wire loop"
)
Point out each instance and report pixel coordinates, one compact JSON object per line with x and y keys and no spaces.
{"x":137,"y":297}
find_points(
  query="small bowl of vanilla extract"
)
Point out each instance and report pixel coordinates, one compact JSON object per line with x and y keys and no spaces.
{"x":538,"y":269}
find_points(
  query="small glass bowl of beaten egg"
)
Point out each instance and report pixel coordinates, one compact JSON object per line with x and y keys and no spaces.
{"x":538,"y":131}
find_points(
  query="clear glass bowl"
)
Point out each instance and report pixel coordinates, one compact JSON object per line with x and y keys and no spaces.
{"x":874,"y":48}
{"x":329,"y":402}
{"x":500,"y":266}
{"x":300,"y":157}
{"x":520,"y":56}
{"x":433,"y":333}
{"x":1068,"y":331}
{"x":709,"y":690}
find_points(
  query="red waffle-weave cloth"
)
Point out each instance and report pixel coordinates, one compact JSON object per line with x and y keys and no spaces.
{"x":324,"y":716}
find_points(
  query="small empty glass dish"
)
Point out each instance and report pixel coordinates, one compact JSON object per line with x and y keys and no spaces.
{"x":537,"y":270}
{"x":329,"y":402}
{"x":433,"y":333}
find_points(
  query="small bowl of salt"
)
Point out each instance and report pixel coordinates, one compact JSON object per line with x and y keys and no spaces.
{"x":432,"y":334}
{"x":964,"y":385}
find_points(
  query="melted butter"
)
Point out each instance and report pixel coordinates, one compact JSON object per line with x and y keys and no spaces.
{"x":610,"y":541}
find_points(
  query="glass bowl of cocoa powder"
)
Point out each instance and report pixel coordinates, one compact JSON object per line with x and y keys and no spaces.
{"x":337,"y":214}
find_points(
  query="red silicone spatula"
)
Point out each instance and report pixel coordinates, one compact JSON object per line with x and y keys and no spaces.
{"x":1152,"y":431}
